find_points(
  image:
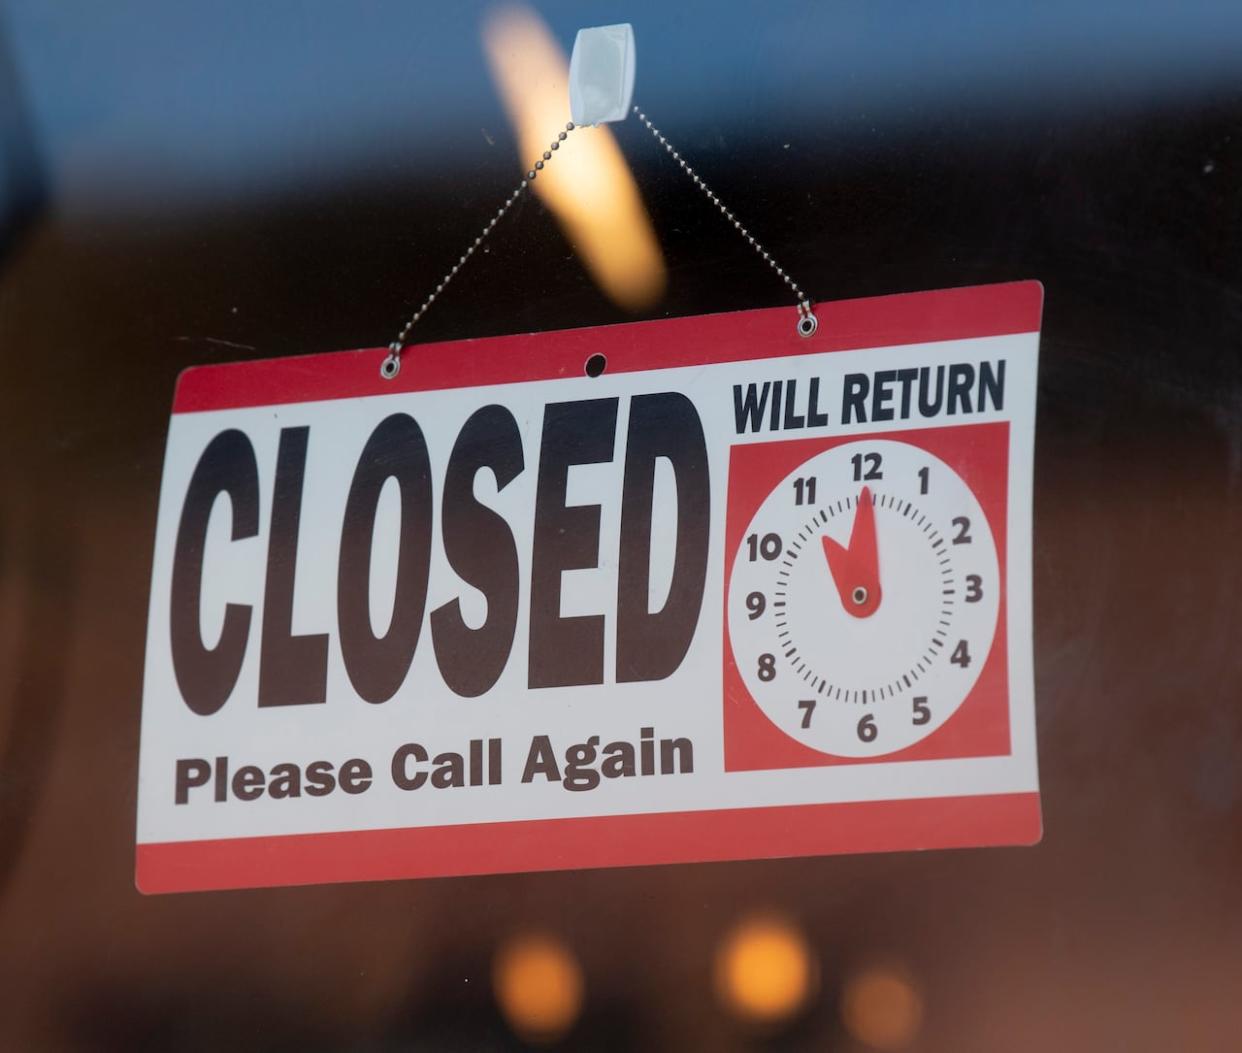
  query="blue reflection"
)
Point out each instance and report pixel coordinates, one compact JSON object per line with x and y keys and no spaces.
{"x":143,"y":104}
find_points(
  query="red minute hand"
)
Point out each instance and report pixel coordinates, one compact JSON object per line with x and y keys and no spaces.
{"x":856,"y":570}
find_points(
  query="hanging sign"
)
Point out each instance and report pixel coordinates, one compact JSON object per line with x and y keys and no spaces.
{"x":694,"y":589}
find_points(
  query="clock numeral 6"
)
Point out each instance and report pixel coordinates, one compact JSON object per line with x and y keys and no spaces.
{"x":755,"y":605}
{"x":767,"y":667}
{"x":961,"y":654}
{"x":974,"y":588}
{"x":922,"y":713}
{"x":867,"y":731}
{"x":808,"y":707}
{"x":769,"y":546}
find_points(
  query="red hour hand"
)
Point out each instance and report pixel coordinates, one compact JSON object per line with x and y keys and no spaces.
{"x":856,"y":569}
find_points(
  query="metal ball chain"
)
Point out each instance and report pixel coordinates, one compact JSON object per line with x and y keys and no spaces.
{"x":391,"y":365}
{"x":807,"y":322}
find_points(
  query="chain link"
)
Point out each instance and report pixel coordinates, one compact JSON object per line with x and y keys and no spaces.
{"x":807,"y":322}
{"x":391,"y":365}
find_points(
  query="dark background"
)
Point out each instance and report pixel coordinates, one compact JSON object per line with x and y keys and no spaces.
{"x":193,"y":183}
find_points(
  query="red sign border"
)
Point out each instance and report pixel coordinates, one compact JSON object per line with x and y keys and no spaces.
{"x":615,"y":840}
{"x":589,"y":843}
{"x":738,"y":336}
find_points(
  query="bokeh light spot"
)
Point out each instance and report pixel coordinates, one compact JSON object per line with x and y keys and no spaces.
{"x":538,"y":986}
{"x":765,"y":971}
{"x":881,"y":1007}
{"x":586,"y":184}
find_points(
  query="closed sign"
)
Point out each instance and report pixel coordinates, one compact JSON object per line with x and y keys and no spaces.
{"x":741,"y":595}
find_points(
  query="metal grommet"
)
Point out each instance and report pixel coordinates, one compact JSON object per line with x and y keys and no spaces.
{"x":391,"y":365}
{"x":807,"y":324}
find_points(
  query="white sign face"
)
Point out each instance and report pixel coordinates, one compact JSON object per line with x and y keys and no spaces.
{"x":742,"y":595}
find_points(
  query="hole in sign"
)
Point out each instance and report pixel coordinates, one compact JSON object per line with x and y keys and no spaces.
{"x":595,"y":365}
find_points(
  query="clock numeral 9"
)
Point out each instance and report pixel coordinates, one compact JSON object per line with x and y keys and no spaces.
{"x":961,"y":654}
{"x":756,"y":605}
{"x":804,"y":491}
{"x":872,"y":471}
{"x":974,"y":588}
{"x":769,"y":546}
{"x":767,"y":667}
{"x":867,"y":731}
{"x":922,"y":714}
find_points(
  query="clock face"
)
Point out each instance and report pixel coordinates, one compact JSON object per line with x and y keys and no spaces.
{"x":863,"y":598}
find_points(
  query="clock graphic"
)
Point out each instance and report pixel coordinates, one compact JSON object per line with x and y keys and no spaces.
{"x":863,"y":595}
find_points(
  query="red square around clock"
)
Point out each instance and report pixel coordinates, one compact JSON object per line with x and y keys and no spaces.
{"x":979,"y":725}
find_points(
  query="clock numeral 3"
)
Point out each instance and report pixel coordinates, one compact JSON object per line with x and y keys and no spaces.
{"x":974,"y":588}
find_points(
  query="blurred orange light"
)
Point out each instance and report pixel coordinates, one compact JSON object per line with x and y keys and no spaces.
{"x":538,"y":985}
{"x":586,"y":184}
{"x":764,"y":970}
{"x":882,"y":1008}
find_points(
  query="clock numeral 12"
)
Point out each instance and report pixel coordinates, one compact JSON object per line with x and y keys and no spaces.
{"x":873,"y":462}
